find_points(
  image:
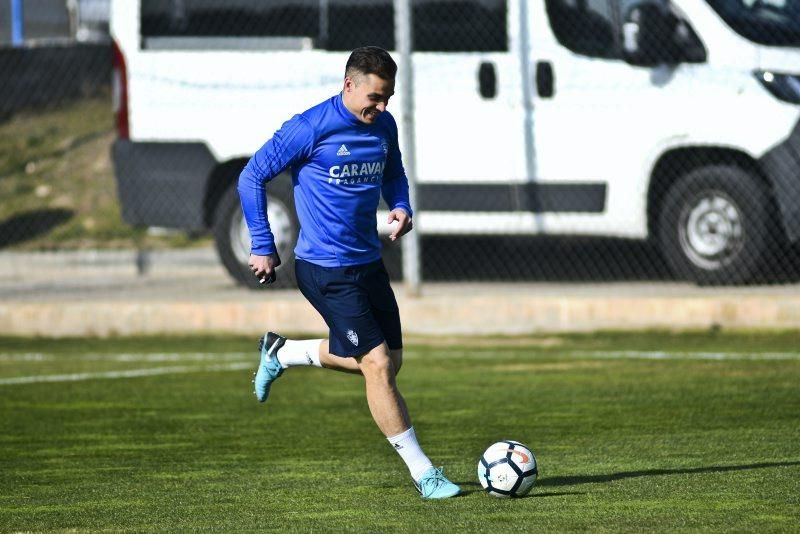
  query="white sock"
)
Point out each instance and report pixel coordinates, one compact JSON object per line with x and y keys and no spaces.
{"x":304,"y":352}
{"x":409,"y":450}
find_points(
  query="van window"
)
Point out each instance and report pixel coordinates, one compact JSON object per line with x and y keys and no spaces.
{"x":439,"y":25}
{"x":769,"y":22}
{"x":232,"y":18}
{"x":584,"y":26}
{"x":352,"y":24}
{"x":460,"y":26}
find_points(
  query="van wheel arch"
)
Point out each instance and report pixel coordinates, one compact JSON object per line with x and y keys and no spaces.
{"x":717,"y":225}
{"x":678,"y":162}
{"x":232,"y":237}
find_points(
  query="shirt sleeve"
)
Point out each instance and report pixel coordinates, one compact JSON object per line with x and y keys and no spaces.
{"x":395,"y":181}
{"x":290,"y":145}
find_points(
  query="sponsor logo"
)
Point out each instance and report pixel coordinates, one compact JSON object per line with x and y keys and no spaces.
{"x":398,"y":446}
{"x":385,"y":146}
{"x":524,"y":457}
{"x":356,"y":173}
{"x":372,"y":168}
{"x":353,"y":337}
{"x":345,"y":181}
{"x":343,"y":151}
{"x":308,"y":358}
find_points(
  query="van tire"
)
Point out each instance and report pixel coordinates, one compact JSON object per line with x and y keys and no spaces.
{"x":716,"y":226}
{"x":233,"y":239}
{"x":392,"y":255}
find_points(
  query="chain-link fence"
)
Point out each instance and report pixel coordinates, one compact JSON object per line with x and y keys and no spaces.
{"x":554,"y":139}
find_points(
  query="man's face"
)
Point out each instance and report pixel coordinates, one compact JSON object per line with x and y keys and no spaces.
{"x":367,"y":95}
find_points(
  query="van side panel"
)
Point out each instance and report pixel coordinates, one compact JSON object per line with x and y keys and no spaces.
{"x":782,"y":167}
{"x":163,"y":184}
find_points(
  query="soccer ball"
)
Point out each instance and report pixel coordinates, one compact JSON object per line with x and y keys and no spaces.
{"x":507,"y":469}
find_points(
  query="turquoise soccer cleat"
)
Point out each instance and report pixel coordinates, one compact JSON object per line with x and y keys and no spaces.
{"x":269,"y":367}
{"x":434,"y":485}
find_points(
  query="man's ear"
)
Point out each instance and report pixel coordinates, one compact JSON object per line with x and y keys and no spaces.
{"x":349,"y":84}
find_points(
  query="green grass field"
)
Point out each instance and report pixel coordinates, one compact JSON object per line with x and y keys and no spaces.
{"x":632,"y":432}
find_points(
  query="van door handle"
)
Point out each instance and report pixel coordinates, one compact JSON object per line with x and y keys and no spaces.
{"x":545,"y":79}
{"x":487,"y":80}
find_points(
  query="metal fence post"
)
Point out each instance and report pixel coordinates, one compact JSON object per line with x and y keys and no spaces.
{"x":411,"y":241}
{"x":17,"y":24}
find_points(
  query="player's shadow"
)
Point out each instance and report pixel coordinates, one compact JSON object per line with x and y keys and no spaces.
{"x":468,"y":488}
{"x":598,"y":479}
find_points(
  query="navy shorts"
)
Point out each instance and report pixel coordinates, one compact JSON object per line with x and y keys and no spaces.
{"x":357,"y":303}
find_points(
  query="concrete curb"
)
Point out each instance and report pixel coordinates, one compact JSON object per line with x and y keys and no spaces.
{"x":440,"y":315}
{"x":101,"y":293}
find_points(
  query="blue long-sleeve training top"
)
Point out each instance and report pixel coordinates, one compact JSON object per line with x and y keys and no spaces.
{"x":340,"y":167}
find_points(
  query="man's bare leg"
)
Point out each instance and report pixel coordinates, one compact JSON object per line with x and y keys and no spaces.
{"x":350,"y":365}
{"x":391,"y":415}
{"x":385,"y":402}
{"x":379,"y":368}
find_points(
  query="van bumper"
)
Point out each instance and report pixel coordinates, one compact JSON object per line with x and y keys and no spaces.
{"x":163,"y":184}
{"x":782,"y":166}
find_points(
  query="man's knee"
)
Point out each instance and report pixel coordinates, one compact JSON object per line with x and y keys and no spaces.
{"x":377,"y":362}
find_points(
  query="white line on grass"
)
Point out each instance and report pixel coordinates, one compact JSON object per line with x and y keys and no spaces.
{"x":168,"y":357}
{"x":663,"y":355}
{"x":129,"y":357}
{"x":240,"y":365}
{"x":621,"y":355}
{"x":131,"y":373}
{"x":26,"y":357}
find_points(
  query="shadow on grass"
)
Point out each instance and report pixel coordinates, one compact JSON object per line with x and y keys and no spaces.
{"x":475,"y":487}
{"x":597,"y":479}
{"x":537,"y":494}
{"x":468,"y":488}
{"x":30,"y":224}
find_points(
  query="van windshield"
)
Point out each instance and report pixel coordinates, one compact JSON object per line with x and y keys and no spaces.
{"x":769,"y":22}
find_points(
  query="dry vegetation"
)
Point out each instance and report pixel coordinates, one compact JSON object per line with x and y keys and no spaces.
{"x":57,"y":183}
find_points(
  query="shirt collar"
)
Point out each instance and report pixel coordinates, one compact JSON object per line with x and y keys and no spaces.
{"x":338,"y":103}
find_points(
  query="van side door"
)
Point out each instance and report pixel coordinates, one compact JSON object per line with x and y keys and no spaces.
{"x":595,"y":118}
{"x":468,"y":99}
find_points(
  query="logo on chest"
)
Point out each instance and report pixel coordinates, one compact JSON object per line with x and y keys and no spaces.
{"x":356,"y":173}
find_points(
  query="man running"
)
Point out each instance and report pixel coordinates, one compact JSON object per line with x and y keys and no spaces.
{"x":344,"y":155}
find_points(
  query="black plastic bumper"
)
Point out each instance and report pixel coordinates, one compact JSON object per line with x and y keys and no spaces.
{"x":163,"y":184}
{"x":782,"y":167}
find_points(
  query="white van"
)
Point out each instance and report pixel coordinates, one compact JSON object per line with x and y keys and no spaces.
{"x":673,"y":120}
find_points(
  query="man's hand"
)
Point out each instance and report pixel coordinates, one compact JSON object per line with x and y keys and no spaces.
{"x":404,"y":223}
{"x":263,"y":267}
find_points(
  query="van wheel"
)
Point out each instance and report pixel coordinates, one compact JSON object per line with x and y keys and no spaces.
{"x":392,"y":255}
{"x":716,"y":226}
{"x":233,"y":237}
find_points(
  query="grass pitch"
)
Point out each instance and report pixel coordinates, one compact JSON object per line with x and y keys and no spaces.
{"x":632,"y":432}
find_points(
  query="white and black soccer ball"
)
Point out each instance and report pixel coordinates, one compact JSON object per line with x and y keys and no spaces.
{"x":508,"y":469}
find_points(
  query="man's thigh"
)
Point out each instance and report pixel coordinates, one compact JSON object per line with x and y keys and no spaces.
{"x":344,"y":303}
{"x":383,"y":304}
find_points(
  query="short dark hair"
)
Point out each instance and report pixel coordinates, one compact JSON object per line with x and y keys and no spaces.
{"x":371,"y":60}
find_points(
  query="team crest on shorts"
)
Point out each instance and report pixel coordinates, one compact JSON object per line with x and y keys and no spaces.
{"x":353,"y":337}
